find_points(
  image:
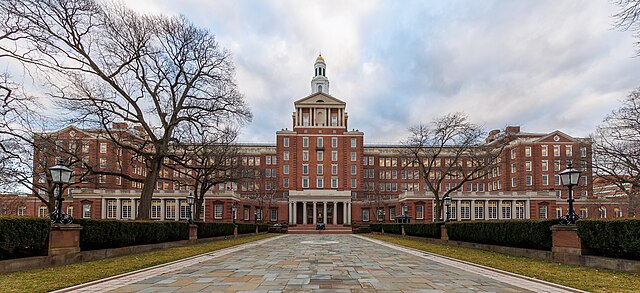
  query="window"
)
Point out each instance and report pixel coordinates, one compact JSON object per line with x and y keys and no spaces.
{"x":602,"y":212}
{"x":419,"y":212}
{"x":334,"y":169}
{"x":556,"y":180}
{"x":217,"y":211}
{"x":334,"y":182}
{"x":334,"y":142}
{"x":513,"y":167}
{"x":246,"y":214}
{"x":584,"y":213}
{"x":583,"y":152}
{"x":527,"y":166}
{"x":285,"y":169}
{"x":506,"y":209}
{"x":558,"y":212}
{"x":103,"y":147}
{"x":156,"y":207}
{"x":545,"y":165}
{"x":305,"y":142}
{"x":70,"y":210}
{"x":353,"y":170}
{"x":513,"y":181}
{"x":354,"y":183}
{"x":520,"y":210}
{"x":305,"y":119}
{"x":451,"y":212}
{"x":617,"y":213}
{"x":320,"y":142}
{"x":305,"y":155}
{"x":101,"y":178}
{"x":305,"y":182}
{"x":365,"y":215}
{"x":285,"y":182}
{"x":319,"y":182}
{"x":465,"y":210}
{"x":556,"y":150}
{"x":184,"y":210}
{"x":479,"y":210}
{"x":42,"y":211}
{"x":112,"y":207}
{"x":170,"y":209}
{"x":21,"y":211}
{"x":125,"y":207}
{"x":543,"y":211}
{"x":285,"y":141}
{"x":320,"y":155}
{"x":266,"y":161}
{"x":493,"y":210}
{"x":86,"y":210}
{"x":513,"y":154}
{"x":568,"y":151}
{"x":118,"y":180}
{"x":285,"y":155}
{"x":556,"y":165}
{"x":529,"y":180}
{"x":353,"y":142}
{"x":545,"y":180}
{"x":353,"y":156}
{"x":527,"y":151}
{"x":273,"y":215}
{"x":103,"y":162}
{"x":545,"y":150}
{"x":320,"y":169}
{"x":392,"y":213}
{"x":305,"y":169}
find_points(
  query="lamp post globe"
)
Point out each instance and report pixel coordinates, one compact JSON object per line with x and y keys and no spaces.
{"x":190,"y":201}
{"x":447,"y":204}
{"x":60,"y":174}
{"x":570,"y":178}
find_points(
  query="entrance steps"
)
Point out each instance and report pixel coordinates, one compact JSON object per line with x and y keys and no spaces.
{"x":311,"y":229}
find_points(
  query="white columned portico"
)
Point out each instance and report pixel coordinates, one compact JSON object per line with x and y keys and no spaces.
{"x":290,"y":214}
{"x":324,"y":212}
{"x":349,"y":213}
{"x":295,"y":213}
{"x":344,"y":212}
{"x":335,"y":213}
{"x":304,"y":212}
{"x":315,"y":213}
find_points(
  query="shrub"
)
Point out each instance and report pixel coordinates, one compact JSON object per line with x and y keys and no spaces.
{"x":363,"y":229}
{"x":246,"y":228}
{"x":615,"y":238}
{"x":375,"y":227}
{"x":22,"y":237}
{"x":275,"y":230}
{"x":392,"y":228}
{"x":429,"y":230}
{"x":263,"y":227}
{"x":535,"y":234}
{"x":101,"y":234}
{"x":207,"y":230}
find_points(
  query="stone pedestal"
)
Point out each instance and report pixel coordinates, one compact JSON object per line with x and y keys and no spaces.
{"x":64,"y":239}
{"x":193,"y":231}
{"x":235,"y":231}
{"x":567,"y":245}
{"x":443,"y":233}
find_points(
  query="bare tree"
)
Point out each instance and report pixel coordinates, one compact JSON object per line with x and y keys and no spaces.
{"x":627,"y":18}
{"x":616,"y":150}
{"x":107,"y":63}
{"x":450,"y":152}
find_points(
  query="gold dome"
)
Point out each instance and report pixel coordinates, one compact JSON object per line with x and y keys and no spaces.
{"x":320,"y":58}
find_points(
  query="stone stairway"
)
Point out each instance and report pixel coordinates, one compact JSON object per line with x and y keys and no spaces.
{"x":311,"y":229}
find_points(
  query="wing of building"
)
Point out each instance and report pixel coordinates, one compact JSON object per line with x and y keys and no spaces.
{"x":321,"y":170}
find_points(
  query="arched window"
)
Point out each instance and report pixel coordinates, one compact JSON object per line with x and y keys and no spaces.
{"x":602,"y":212}
{"x":319,"y":88}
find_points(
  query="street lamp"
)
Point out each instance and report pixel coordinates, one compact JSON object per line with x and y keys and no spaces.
{"x":255,"y":216}
{"x":570,"y":178}
{"x":447,"y":204}
{"x":60,"y":174}
{"x":190,"y":201}
{"x":234,"y":211}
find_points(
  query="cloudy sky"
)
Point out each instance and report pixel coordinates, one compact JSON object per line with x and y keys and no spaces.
{"x":544,"y":65}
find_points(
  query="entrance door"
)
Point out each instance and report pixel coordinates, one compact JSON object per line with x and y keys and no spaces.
{"x":299,"y":215}
{"x":340,"y":208}
{"x":330,"y":208}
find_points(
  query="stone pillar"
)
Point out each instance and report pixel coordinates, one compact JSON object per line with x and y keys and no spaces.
{"x":458,"y":210}
{"x":513,"y":209}
{"x":344,"y":213}
{"x":295,"y":213}
{"x":193,"y":232}
{"x":235,"y":231}
{"x":567,"y":246}
{"x":324,"y":212}
{"x":162,"y":211}
{"x":499,"y":210}
{"x":472,"y":211}
{"x":527,"y":209}
{"x":304,"y":212}
{"x":64,"y":239}
{"x":118,"y":210}
{"x":443,"y":233}
{"x":348,"y":213}
{"x":315,"y":213}
{"x":290,"y":211}
{"x":335,"y":213}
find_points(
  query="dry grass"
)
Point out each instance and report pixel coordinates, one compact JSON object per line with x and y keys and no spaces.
{"x":43,"y":280}
{"x":584,"y":278}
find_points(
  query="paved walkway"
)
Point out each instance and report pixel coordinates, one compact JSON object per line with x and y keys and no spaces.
{"x":319,"y":263}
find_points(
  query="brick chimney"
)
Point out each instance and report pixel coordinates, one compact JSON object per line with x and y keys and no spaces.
{"x":512,"y":129}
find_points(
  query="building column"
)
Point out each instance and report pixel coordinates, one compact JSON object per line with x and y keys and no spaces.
{"x":304,"y":212}
{"x":472,"y":207}
{"x":324,"y":212}
{"x":458,"y":210}
{"x":344,"y":212}
{"x":103,"y":210}
{"x":335,"y":213}
{"x":295,"y":213}
{"x":289,"y":213}
{"x":513,"y":209}
{"x":118,"y":211}
{"x":315,"y":213}
{"x":349,"y":213}
{"x":527,"y":209}
{"x":500,"y":210}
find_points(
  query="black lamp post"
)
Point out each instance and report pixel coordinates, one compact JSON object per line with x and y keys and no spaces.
{"x":570,"y":178}
{"x":255,"y":216}
{"x":447,"y":204}
{"x":60,"y":174}
{"x":234,"y":211}
{"x":190,"y":201}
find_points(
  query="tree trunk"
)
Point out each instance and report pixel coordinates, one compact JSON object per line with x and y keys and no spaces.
{"x":144,"y":211}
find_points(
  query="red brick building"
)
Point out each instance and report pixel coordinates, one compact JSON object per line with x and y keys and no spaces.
{"x":319,"y":170}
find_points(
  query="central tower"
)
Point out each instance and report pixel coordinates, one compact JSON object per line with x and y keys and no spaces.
{"x":320,"y":82}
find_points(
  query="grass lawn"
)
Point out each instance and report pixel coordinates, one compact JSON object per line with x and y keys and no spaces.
{"x":584,"y":278}
{"x":43,"y":280}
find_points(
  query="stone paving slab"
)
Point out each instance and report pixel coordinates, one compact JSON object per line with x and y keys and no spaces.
{"x":319,"y":263}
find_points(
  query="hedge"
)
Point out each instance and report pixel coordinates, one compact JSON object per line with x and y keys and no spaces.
{"x":101,"y":234}
{"x":428,"y":230}
{"x":535,"y":234}
{"x":263,"y":227}
{"x":375,"y":227}
{"x":23,"y":237}
{"x":615,"y":238}
{"x":392,"y":228}
{"x":363,"y":229}
{"x":246,"y":228}
{"x":207,"y":230}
